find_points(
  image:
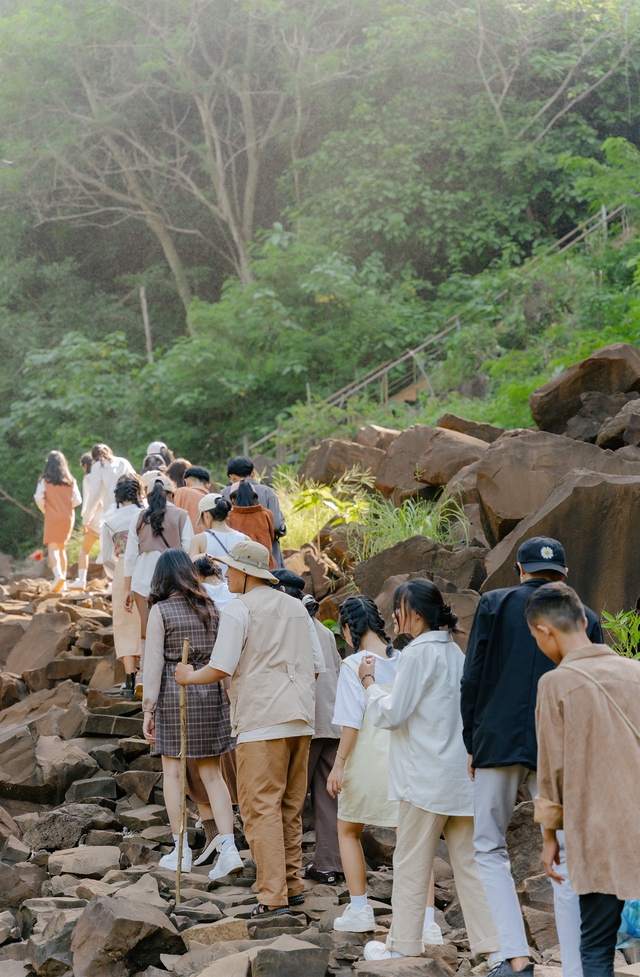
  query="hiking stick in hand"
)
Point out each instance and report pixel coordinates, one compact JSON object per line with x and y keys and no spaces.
{"x":183,"y":768}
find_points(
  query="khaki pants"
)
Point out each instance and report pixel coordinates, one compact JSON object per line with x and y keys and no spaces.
{"x":418,"y":835}
{"x":272,"y":786}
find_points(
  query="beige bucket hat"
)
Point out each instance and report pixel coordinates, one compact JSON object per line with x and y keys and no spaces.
{"x":250,"y":557}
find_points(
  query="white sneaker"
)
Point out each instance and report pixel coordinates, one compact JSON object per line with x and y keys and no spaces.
{"x":170,"y":861}
{"x":207,"y":856}
{"x":229,"y":863}
{"x":432,"y":934}
{"x":77,"y":585}
{"x":59,"y":583}
{"x":376,"y":951}
{"x":355,"y":922}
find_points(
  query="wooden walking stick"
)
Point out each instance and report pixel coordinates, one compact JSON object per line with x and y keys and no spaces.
{"x":183,"y":768}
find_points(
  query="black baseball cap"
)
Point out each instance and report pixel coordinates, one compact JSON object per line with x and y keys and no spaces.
{"x":542,"y":553}
{"x":287,"y":578}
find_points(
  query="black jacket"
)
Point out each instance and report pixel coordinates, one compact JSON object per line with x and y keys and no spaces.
{"x":500,"y":679}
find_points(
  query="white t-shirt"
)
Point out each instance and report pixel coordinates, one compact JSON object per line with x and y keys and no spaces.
{"x":351,"y":701}
{"x":219,"y":544}
{"x":219,"y":593}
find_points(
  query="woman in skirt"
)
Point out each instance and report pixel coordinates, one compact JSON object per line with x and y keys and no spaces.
{"x":181,"y":609}
{"x":57,"y":495}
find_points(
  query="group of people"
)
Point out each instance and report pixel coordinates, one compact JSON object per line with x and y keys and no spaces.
{"x":410,"y":734}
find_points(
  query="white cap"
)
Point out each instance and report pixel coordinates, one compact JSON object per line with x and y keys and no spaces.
{"x":156,"y":447}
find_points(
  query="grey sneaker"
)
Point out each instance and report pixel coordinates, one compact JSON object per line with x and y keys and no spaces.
{"x":504,"y":969}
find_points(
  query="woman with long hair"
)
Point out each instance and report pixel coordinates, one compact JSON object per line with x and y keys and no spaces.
{"x":218,"y":537}
{"x":117,"y":521}
{"x":428,"y":777}
{"x":360,"y":772}
{"x":160,"y":527}
{"x":249,"y":517}
{"x":179,"y":609}
{"x":56,"y":496}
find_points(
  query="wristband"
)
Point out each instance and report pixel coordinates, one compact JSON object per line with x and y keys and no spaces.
{"x":367,"y":675}
{"x":343,"y":758}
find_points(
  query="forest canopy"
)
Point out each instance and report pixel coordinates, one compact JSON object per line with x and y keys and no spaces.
{"x":303,"y":189}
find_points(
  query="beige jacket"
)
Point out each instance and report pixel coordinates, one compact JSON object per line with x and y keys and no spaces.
{"x":274,"y":681}
{"x":589,"y":769}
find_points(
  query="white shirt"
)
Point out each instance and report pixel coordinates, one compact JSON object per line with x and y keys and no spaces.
{"x":102,"y":483}
{"x":116,"y":520}
{"x":427,"y":756}
{"x":350,"y":698}
{"x":233,"y":632}
{"x":219,"y":593}
{"x":219,"y":542}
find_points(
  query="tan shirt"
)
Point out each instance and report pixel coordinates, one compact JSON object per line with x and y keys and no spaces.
{"x":589,"y":769}
{"x":268,"y":644}
{"x":188,"y":498}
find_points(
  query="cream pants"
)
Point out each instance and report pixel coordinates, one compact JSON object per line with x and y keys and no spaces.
{"x":418,"y":835}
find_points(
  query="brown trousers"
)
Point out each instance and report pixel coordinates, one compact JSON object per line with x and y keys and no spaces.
{"x":322,"y":756}
{"x":272,"y":786}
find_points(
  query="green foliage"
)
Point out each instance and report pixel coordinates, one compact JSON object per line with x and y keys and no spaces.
{"x":309,"y":506}
{"x":382,"y":524}
{"x":624,"y":630}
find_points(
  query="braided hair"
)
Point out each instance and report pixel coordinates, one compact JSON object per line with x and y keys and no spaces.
{"x":360,"y":614}
{"x":129,"y":489}
{"x":423,"y":597}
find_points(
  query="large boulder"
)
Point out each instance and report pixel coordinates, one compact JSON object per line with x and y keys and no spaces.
{"x":425,"y":456}
{"x":422,"y":557}
{"x":596,"y":516}
{"x":333,"y":457}
{"x":40,"y":643}
{"x":20,"y":882}
{"x":39,"y":768}
{"x":463,"y":603}
{"x":622,"y":429}
{"x":518,"y":473}
{"x":373,"y":436}
{"x":118,"y":937}
{"x":12,"y":627}
{"x":611,"y":370}
{"x":477,"y":429}
{"x":596,"y":409}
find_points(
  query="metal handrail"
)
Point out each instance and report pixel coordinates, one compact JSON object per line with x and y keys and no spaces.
{"x":338,"y":398}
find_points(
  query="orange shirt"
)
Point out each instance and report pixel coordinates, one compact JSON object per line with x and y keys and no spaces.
{"x":187,"y":498}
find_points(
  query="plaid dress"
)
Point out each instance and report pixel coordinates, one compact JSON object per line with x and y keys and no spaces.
{"x":208,"y":722}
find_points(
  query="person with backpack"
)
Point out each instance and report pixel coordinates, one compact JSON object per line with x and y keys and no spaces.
{"x":588,"y":725}
{"x":503,"y":666}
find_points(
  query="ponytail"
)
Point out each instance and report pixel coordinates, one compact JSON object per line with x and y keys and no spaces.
{"x":423,"y":597}
{"x":154,"y":515}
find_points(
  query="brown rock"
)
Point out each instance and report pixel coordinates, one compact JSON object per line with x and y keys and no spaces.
{"x":110,"y":672}
{"x":519,"y":472}
{"x":333,"y":457}
{"x":589,"y":513}
{"x":378,"y":845}
{"x":524,"y":842}
{"x":12,"y":690}
{"x":117,"y":937}
{"x":64,"y":696}
{"x":538,"y":892}
{"x":50,"y":951}
{"x":99,"y":786}
{"x":419,"y":556}
{"x":541,"y":928}
{"x":437,"y":961}
{"x":89,"y":861}
{"x":20,"y":882}
{"x":612,"y":369}
{"x":55,"y":830}
{"x":138,"y":782}
{"x":613,"y":433}
{"x":40,"y":643}
{"x":373,"y":436}
{"x":425,"y":456}
{"x":12,"y":627}
{"x":220,"y":931}
{"x":312,"y":961}
{"x":596,"y":408}
{"x":464,"y":485}
{"x":477,"y":429}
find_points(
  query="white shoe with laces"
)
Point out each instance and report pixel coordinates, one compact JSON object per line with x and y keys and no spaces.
{"x":352,"y":921}
{"x":432,"y":934}
{"x":229,"y":863}
{"x":170,"y":861}
{"x":375,"y":950}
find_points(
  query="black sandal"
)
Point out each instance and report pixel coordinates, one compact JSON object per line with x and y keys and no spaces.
{"x":296,"y":900}
{"x":261,"y":910}
{"x":327,"y":878}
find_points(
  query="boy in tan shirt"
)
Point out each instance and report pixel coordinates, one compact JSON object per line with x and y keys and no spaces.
{"x":588,"y":728}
